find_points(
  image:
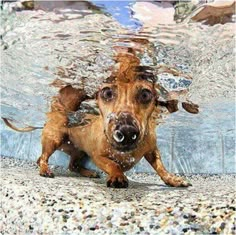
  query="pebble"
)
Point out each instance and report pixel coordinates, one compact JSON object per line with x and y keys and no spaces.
{"x":69,"y":204}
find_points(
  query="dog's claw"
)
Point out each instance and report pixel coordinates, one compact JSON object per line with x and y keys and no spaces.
{"x":117,"y":182}
{"x":47,"y":174}
{"x":178,"y":182}
{"x":91,"y":175}
{"x":94,"y":175}
{"x":185,"y":184}
{"x":84,"y":172}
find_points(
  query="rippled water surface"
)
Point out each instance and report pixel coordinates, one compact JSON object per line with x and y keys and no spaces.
{"x":74,"y":44}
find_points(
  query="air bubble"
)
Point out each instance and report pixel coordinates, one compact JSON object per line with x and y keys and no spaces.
{"x":134,"y":137}
{"x":118,"y":136}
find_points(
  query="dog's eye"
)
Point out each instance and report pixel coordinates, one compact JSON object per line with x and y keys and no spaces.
{"x":107,"y":93}
{"x":145,"y":96}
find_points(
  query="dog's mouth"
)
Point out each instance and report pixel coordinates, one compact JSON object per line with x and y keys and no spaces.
{"x":123,"y":148}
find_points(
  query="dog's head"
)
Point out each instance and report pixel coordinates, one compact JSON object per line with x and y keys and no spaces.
{"x":126,"y":108}
{"x":127,"y":101}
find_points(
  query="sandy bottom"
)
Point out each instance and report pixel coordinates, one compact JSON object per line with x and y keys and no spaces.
{"x":70,"y":204}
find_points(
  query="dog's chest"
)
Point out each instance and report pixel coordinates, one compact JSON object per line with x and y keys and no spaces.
{"x":125,"y":160}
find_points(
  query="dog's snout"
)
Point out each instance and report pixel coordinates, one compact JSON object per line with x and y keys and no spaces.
{"x":126,"y":132}
{"x":126,"y":118}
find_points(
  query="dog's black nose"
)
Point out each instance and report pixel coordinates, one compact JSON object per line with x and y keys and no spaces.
{"x":126,"y":135}
{"x":126,"y":132}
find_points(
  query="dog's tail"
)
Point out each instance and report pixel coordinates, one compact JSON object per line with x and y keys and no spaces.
{"x":24,"y":129}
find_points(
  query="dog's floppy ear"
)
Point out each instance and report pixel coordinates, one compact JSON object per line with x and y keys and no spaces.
{"x":190,"y":107}
{"x":171,"y":105}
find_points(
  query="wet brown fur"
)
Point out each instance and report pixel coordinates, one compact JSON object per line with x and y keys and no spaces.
{"x":91,"y":139}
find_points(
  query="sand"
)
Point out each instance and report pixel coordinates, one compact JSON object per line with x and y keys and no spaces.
{"x":70,"y":204}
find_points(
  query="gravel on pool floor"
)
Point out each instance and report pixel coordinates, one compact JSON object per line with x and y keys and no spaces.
{"x":70,"y":204}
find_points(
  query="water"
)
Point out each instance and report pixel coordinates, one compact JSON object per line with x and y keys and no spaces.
{"x":75,"y":44}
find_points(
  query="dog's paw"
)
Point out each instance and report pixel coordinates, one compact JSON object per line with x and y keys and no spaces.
{"x":88,"y":173}
{"x":176,"y":181}
{"x":48,"y":174}
{"x":117,"y":181}
{"x":84,"y":172}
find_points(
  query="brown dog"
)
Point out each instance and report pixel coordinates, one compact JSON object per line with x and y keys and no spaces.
{"x":119,"y":137}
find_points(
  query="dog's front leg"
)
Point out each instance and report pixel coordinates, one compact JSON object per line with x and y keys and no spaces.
{"x":154,"y":158}
{"x":116,"y":177}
